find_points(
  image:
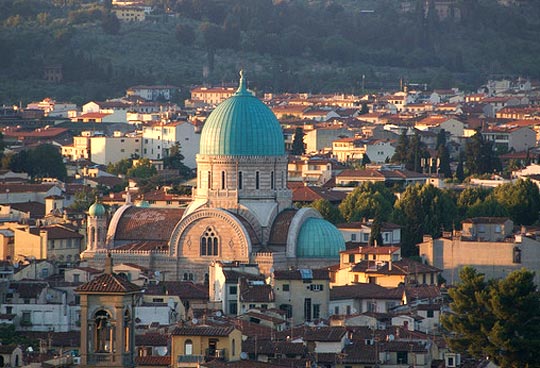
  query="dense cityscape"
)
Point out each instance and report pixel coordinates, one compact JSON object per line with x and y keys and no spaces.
{"x":233,"y":214}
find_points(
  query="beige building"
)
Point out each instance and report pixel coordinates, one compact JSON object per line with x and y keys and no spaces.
{"x":486,"y":246}
{"x":382,"y":266}
{"x":192,"y":345}
{"x":105,"y":150}
{"x":320,"y":139}
{"x":159,"y":138}
{"x":303,"y":293}
{"x":211,"y":95}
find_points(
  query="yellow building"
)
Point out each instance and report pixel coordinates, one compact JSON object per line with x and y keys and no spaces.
{"x":382,"y":266}
{"x":192,"y":345}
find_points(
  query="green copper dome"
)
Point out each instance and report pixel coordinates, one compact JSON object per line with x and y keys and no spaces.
{"x":242,"y":126}
{"x":319,"y":239}
{"x":96,"y":210}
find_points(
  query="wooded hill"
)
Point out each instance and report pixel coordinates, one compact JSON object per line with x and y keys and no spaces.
{"x":285,"y":45}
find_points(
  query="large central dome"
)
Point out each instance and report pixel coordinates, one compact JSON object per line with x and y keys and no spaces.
{"x":242,"y":126}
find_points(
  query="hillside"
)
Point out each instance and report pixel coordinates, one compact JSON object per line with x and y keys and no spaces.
{"x":285,"y":45}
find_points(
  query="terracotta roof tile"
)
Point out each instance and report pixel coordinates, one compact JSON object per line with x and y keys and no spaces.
{"x":318,"y":274}
{"x":324,"y":333}
{"x":151,"y":339}
{"x":280,"y":227}
{"x":58,"y":232}
{"x":108,"y":283}
{"x":361,"y":291}
{"x":153,"y":360}
{"x":202,"y":331}
{"x":135,"y":223}
{"x":182,"y":289}
{"x":36,"y":209}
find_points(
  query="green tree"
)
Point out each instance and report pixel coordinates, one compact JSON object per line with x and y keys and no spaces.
{"x":375,"y":236}
{"x":369,"y":200}
{"x":298,"y":147}
{"x":423,"y":209}
{"x":47,"y":162}
{"x":84,"y":199}
{"x":480,"y":158}
{"x":175,"y":161}
{"x":185,"y":34}
{"x":521,"y":199}
{"x":110,"y":23}
{"x":142,"y":170}
{"x":499,"y":319}
{"x":460,"y":174}
{"x":328,"y":210}
{"x":469,"y":321}
{"x":121,"y":167}
{"x":444,"y":161}
{"x":402,"y":149}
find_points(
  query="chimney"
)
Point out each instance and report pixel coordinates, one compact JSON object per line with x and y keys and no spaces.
{"x":109,"y":264}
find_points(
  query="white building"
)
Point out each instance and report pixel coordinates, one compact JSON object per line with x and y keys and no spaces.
{"x":105,"y":150}
{"x":159,"y":138}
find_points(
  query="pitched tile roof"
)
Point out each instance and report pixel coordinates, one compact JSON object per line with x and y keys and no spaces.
{"x":403,"y":267}
{"x":28,"y":289}
{"x":182,"y":289}
{"x":318,"y":274}
{"x":257,"y":293}
{"x":36,"y":209}
{"x":310,"y":194}
{"x":203,"y":331}
{"x":324,"y":333}
{"x":153,"y":360}
{"x":58,"y":232}
{"x":151,"y":339}
{"x":135,"y":223}
{"x":362,"y":291}
{"x":108,"y":283}
{"x":280,"y":227}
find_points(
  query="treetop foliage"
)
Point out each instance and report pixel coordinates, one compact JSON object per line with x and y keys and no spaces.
{"x":497,"y":319}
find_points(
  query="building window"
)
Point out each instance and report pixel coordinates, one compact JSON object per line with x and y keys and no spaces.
{"x":286,"y":287}
{"x":209,"y":176}
{"x":272,"y":180}
{"x":188,"y":347}
{"x":353,"y":237}
{"x":316,"y":311}
{"x":307,"y":309}
{"x":257,"y":180}
{"x":316,"y":287}
{"x":233,"y":307}
{"x":348,"y":310}
{"x":240,"y":180}
{"x":351,"y":258}
{"x":233,"y":290}
{"x":223,"y":180}
{"x":209,"y":243}
{"x":287,"y":308}
{"x":516,"y":255}
{"x":336,"y":310}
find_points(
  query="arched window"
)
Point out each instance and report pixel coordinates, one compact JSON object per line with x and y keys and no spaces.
{"x":127,"y":331}
{"x":209,"y":179}
{"x":223,"y":180}
{"x":233,"y":350}
{"x":272,"y":180}
{"x":240,"y":180}
{"x":188,"y":347}
{"x":209,"y":243}
{"x":103,"y":335}
{"x":257,"y":180}
{"x":93,"y":236}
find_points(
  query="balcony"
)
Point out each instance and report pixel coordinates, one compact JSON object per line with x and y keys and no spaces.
{"x":211,"y":354}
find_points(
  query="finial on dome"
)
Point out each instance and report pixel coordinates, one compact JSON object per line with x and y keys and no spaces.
{"x":242,"y":89}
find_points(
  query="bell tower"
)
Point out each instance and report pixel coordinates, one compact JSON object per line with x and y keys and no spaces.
{"x":108,"y":320}
{"x":96,"y":226}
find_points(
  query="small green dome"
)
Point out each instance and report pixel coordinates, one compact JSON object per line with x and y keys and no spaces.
{"x":319,"y":239}
{"x":242,"y":126}
{"x":97,"y":210}
{"x":143,"y":204}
